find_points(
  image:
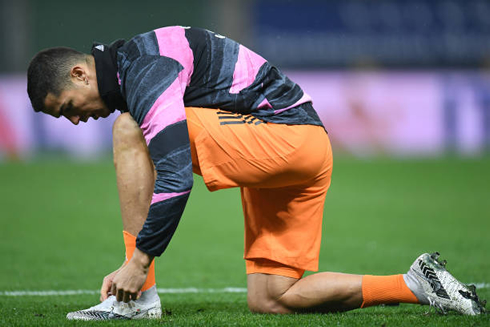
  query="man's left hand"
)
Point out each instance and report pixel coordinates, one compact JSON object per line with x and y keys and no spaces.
{"x":130,"y":278}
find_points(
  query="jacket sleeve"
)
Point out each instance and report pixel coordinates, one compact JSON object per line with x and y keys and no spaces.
{"x":154,"y":95}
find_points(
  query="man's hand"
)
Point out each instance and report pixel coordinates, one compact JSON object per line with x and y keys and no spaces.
{"x":105,"y":289}
{"x":129,"y":279}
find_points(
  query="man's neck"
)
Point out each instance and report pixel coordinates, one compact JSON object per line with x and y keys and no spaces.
{"x":105,"y":67}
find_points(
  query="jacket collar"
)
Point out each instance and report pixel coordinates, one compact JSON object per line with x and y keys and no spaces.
{"x":107,"y":75}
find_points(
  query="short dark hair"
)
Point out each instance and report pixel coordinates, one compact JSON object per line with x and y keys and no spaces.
{"x":49,"y":72}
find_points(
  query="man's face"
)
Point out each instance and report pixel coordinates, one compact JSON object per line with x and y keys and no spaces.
{"x":77,"y":103}
{"x":81,"y":100}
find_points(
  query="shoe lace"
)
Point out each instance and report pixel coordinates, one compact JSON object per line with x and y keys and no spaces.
{"x":130,"y":305}
{"x":111,"y":314}
{"x":437,"y":306}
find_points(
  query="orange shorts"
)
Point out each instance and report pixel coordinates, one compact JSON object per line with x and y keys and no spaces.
{"x":283,"y":172}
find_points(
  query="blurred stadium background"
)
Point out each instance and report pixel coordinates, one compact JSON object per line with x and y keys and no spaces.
{"x":392,"y":78}
{"x":403,"y":87}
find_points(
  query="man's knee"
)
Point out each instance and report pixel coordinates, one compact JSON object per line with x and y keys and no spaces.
{"x":266,"y":293}
{"x":265,"y":304}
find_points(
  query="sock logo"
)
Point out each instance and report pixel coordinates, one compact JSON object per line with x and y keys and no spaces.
{"x":434,"y":282}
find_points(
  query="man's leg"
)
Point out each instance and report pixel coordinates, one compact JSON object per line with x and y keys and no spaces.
{"x":322,"y":292}
{"x":135,"y":182}
{"x":289,"y":238}
{"x":268,"y":292}
{"x":283,"y":192}
{"x":426,"y":282}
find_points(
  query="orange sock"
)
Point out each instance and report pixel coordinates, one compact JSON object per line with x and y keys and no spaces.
{"x":385,"y":289}
{"x":130,"y":244}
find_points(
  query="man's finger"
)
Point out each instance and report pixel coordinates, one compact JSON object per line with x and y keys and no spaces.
{"x":126,"y":296}
{"x":119,"y":295}
{"x":114,"y":289}
{"x":105,"y":289}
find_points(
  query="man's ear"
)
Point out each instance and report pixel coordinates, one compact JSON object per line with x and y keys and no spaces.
{"x":78,"y":74}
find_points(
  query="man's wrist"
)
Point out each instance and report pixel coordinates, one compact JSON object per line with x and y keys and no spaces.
{"x":141,"y":258}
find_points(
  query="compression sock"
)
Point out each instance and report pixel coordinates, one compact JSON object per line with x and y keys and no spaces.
{"x":384,"y":290}
{"x":130,"y":244}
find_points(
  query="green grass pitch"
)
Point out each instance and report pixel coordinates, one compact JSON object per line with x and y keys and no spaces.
{"x":60,"y":230}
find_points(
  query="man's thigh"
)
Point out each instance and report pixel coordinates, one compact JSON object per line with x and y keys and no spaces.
{"x":284,"y":174}
{"x":283,"y":228}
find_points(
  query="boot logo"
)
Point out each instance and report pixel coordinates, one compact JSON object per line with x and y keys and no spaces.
{"x":434,"y":282}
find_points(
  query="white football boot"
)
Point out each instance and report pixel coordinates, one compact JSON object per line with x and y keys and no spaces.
{"x":148,"y":306}
{"x":432,"y":284}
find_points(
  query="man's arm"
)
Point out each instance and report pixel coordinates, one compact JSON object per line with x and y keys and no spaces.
{"x":155,"y":100}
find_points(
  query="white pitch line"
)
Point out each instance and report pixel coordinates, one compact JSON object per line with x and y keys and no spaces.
{"x":47,"y":293}
{"x":188,"y":290}
{"x":202,"y":290}
{"x":91,"y":292}
{"x":481,"y":285}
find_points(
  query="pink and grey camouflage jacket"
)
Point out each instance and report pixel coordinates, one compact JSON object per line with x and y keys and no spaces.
{"x":156,"y":74}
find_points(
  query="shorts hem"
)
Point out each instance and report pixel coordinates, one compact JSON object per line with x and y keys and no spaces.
{"x":265,"y":266}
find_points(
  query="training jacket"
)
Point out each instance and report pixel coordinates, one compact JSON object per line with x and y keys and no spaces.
{"x":156,"y":74}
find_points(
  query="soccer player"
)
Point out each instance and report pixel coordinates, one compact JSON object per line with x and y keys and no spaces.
{"x":193,"y":100}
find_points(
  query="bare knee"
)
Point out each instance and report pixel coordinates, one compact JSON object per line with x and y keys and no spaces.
{"x":260,"y":304}
{"x":265,"y":293}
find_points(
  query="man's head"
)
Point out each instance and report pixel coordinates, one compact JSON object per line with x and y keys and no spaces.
{"x":63,"y":82}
